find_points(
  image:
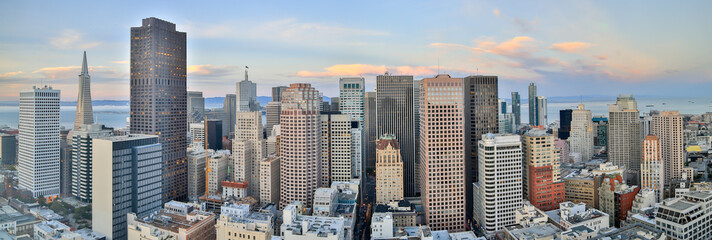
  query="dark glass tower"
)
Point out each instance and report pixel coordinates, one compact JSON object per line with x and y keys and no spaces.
{"x":533,"y":117}
{"x":158,"y":97}
{"x":516,"y":109}
{"x":565,"y":123}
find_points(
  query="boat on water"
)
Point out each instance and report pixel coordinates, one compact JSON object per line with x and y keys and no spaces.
{"x":650,"y":105}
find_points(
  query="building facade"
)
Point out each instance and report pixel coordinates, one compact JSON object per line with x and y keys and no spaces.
{"x":668,"y":127}
{"x":272,"y":111}
{"x":686,"y":217}
{"x":389,"y":170}
{"x":38,"y":158}
{"x":82,"y":138}
{"x":369,"y":132}
{"x":230,"y":108}
{"x":517,"y":109}
{"x":246,"y":95}
{"x":581,"y":137}
{"x":624,"y":133}
{"x":335,"y":148}
{"x":8,"y":149}
{"x":85,"y":113}
{"x":196,"y":171}
{"x":196,"y":106}
{"x":158,"y":97}
{"x":542,"y":182}
{"x":269,"y":179}
{"x":533,"y":117}
{"x":652,"y":172}
{"x":248,"y":128}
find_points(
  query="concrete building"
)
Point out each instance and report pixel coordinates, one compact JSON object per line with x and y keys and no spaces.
{"x":545,"y":231}
{"x":686,"y":217}
{"x":572,"y":215}
{"x":235,"y":224}
{"x":633,"y":231}
{"x":158,"y":97}
{"x":442,"y":107}
{"x":624,"y":133}
{"x":196,"y":106}
{"x":498,"y":192}
{"x":300,"y":144}
{"x":233,"y":190}
{"x":382,"y":225}
{"x":389,"y":170}
{"x":230,"y":108}
{"x":533,"y":118}
{"x":652,"y":173}
{"x":82,"y":138}
{"x":197,"y":132}
{"x":246,"y":95}
{"x":616,"y":198}
{"x":542,"y":184}
{"x":296,"y":226}
{"x":369,"y":133}
{"x":517,"y":109}
{"x":581,"y":138}
{"x":352,"y":103}
{"x":668,"y":127}
{"x":541,"y":108}
{"x":196,"y":170}
{"x":169,"y":224}
{"x":528,"y":215}
{"x":8,"y":149}
{"x":277,"y":93}
{"x":85,"y":113}
{"x":336,"y":148}
{"x":272,"y":112}
{"x":269,"y":179}
{"x":136,"y":161}
{"x":38,"y":161}
{"x":218,"y":169}
{"x":403,"y":212}
{"x":250,"y":152}
{"x":481,"y":117}
{"x":582,"y":187}
{"x":395,"y":115}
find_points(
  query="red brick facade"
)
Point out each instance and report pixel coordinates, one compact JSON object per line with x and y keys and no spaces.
{"x":543,"y":192}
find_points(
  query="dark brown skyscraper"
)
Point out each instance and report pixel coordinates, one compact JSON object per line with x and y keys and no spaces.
{"x":158,"y":97}
{"x":481,"y":111}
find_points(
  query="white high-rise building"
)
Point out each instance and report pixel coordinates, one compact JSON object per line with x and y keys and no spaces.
{"x":624,"y":138}
{"x":668,"y":127}
{"x":82,"y":138}
{"x":336,"y":146}
{"x":352,"y":102}
{"x":269,"y":179}
{"x":38,"y":159}
{"x":249,"y":148}
{"x":652,"y":173}
{"x":498,"y":192}
{"x":197,"y":132}
{"x":686,"y":217}
{"x":542,"y":116}
{"x":581,"y":138}
{"x":246,"y":96}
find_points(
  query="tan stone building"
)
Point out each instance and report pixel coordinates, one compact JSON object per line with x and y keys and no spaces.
{"x":218,"y":163}
{"x":668,"y":127}
{"x":582,"y":187}
{"x":651,"y":167}
{"x":249,"y":141}
{"x":179,"y":222}
{"x":542,"y":184}
{"x":237,"y":223}
{"x":442,"y":152}
{"x":389,"y":170}
{"x":269,"y":179}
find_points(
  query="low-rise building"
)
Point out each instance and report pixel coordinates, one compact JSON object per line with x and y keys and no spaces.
{"x":633,"y":232}
{"x":686,"y":217}
{"x":296,"y":226}
{"x":529,"y":215}
{"x":581,"y":186}
{"x":16,"y":223}
{"x":236,"y":222}
{"x":545,"y":231}
{"x":50,"y":230}
{"x":403,"y":213}
{"x":616,"y":198}
{"x":572,"y":215}
{"x":172,"y":222}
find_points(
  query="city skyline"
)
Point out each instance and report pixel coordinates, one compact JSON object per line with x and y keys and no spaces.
{"x":608,"y":47}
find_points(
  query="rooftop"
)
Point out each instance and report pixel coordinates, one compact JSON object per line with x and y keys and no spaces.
{"x":521,"y":232}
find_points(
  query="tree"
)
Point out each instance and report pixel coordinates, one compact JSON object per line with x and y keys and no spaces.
{"x":41,"y":201}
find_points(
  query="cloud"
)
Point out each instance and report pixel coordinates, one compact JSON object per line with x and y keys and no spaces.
{"x":72,"y":39}
{"x":121,"y":62}
{"x":343,"y":70}
{"x":570,"y":47}
{"x":70,"y":73}
{"x":496,"y":12}
{"x":525,"y":25}
{"x":9,"y":74}
{"x":212,"y":70}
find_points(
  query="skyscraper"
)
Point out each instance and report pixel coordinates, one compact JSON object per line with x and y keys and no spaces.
{"x":516,"y":109}
{"x":565,"y":123}
{"x":85,"y":114}
{"x":214,"y":132}
{"x":300,"y":144}
{"x":541,"y":111}
{"x":335,"y":148}
{"x":581,"y":137}
{"x":369,"y":133}
{"x":272,"y":112}
{"x":277,"y":93}
{"x":502,"y":106}
{"x":38,"y":162}
{"x":158,"y":97}
{"x":136,"y":161}
{"x":196,"y":171}
{"x":395,"y":115}
{"x":230,"y":108}
{"x":8,"y":149}
{"x":624,"y":138}
{"x":248,"y":136}
{"x":652,"y":172}
{"x":389,"y":170}
{"x":81,"y":140}
{"x":481,"y":117}
{"x":196,"y":107}
{"x":542,"y":184}
{"x":533,"y":117}
{"x":667,"y":125}
{"x":442,"y":155}
{"x":246,"y":94}
{"x":495,"y":211}
{"x":351,"y":102}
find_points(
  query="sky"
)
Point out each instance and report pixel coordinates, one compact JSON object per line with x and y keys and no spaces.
{"x":569,"y":48}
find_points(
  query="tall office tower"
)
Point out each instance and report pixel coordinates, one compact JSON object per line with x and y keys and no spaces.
{"x":8,"y":149}
{"x":65,"y":163}
{"x":197,"y":132}
{"x":667,"y":125}
{"x":442,"y":152}
{"x":82,"y":138}
{"x":38,"y":162}
{"x":272,"y":111}
{"x":389,"y":170}
{"x":652,"y":172}
{"x":158,"y":97}
{"x":356,"y":150}
{"x":269,"y":179}
{"x":416,"y":126}
{"x":369,"y":133}
{"x":501,"y":106}
{"x":516,"y":109}
{"x":300,"y":144}
{"x":85,"y":114}
{"x":249,"y":137}
{"x":196,"y":106}
{"x":196,"y":171}
{"x":581,"y":137}
{"x":214,"y":134}
{"x":135,"y":161}
{"x":624,"y":139}
{"x":498,"y":193}
{"x":351,"y":102}
{"x":277,"y":93}
{"x":395,"y":115}
{"x":246,"y":94}
{"x":565,"y":123}
{"x":230,"y":108}
{"x":335,"y":148}
{"x":533,"y":117}
{"x":481,"y":117}
{"x":541,"y":111}
{"x":542,"y":184}
{"x":334,"y":103}
{"x":220,"y":114}
{"x":218,"y":164}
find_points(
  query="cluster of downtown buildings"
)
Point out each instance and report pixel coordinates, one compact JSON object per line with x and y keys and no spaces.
{"x":447,"y":156}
